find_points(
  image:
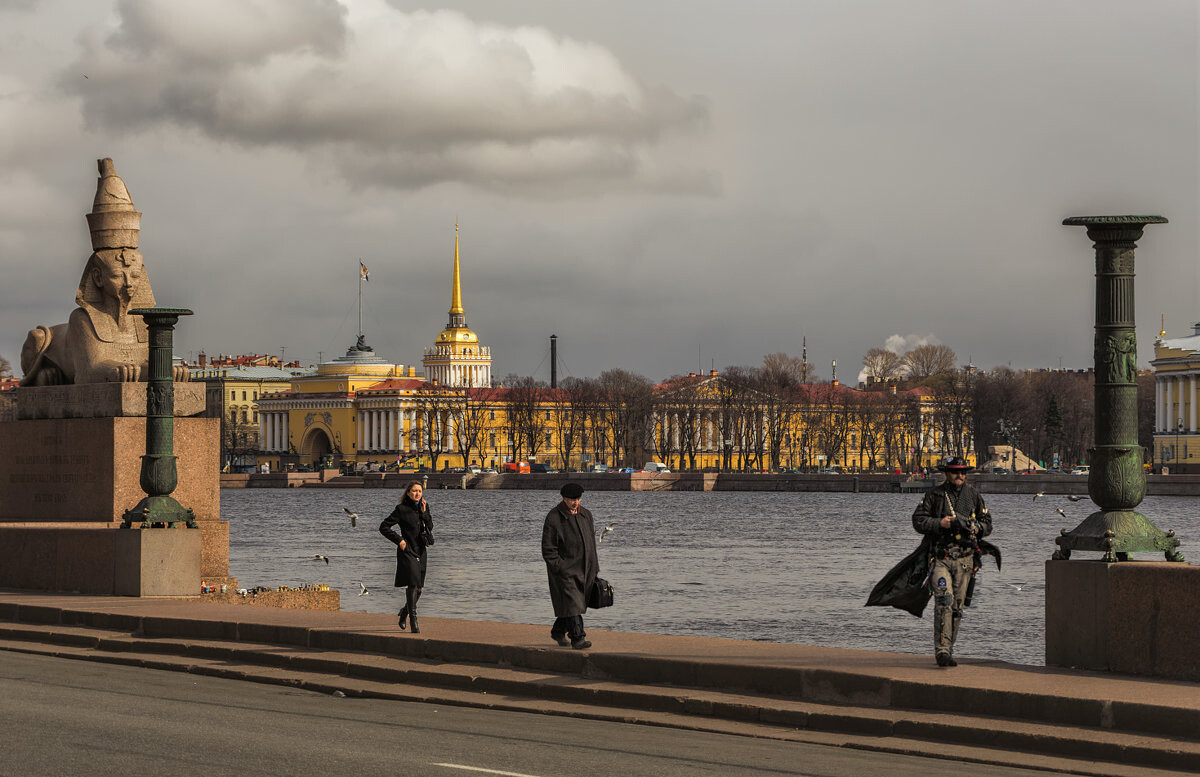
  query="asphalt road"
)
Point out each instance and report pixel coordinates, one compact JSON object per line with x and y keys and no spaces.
{"x":65,"y":717}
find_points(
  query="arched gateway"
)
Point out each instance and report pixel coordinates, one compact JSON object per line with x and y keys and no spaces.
{"x":316,"y":447}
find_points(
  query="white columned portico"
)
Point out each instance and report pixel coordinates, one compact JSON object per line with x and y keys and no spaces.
{"x":1160,"y":399}
{"x":1192,"y":403}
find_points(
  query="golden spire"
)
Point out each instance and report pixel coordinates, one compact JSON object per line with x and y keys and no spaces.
{"x":456,"y":291}
{"x":1163,"y":323}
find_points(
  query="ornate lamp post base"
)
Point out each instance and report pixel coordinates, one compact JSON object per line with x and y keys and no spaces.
{"x":1116,"y":534}
{"x":1117,"y":482}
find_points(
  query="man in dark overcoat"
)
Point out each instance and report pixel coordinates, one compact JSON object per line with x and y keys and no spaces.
{"x":569,"y":550}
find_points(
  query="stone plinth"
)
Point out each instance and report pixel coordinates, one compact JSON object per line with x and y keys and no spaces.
{"x":1132,"y":616}
{"x":86,"y":470}
{"x":157,"y":562}
{"x":100,"y":559}
{"x":101,"y":400}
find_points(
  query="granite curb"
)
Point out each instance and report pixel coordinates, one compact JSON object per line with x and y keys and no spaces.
{"x":838,"y":678}
{"x":374,"y":676}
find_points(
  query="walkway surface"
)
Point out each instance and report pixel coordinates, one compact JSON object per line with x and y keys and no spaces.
{"x":1055,"y":719}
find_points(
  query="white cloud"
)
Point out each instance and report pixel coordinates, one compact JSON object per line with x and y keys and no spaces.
{"x":389,"y":98}
{"x":902,"y":344}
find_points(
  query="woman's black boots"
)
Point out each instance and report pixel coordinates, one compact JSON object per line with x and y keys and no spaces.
{"x":412,"y":594}
{"x":403,"y":617}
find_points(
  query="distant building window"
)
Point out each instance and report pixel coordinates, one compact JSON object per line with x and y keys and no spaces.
{"x":255,"y":416}
{"x":243,"y":396}
{"x":547,"y":415}
{"x":492,"y":417}
{"x":233,"y":396}
{"x":547,"y":439}
{"x":492,"y":439}
{"x":256,"y":395}
{"x":243,"y":416}
{"x":233,"y":416}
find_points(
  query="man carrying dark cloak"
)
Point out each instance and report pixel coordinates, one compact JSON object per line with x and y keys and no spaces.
{"x":954,"y":520}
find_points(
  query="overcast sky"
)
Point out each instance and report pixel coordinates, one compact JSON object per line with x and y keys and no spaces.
{"x":664,"y":185}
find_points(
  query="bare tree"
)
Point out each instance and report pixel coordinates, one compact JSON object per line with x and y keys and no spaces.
{"x":470,"y":410}
{"x":526,"y":416}
{"x":433,"y":405}
{"x":795,"y":368}
{"x":777,"y":385}
{"x":627,"y":400}
{"x":568,"y":417}
{"x":5,"y":368}
{"x":929,"y":361}
{"x":882,"y":364}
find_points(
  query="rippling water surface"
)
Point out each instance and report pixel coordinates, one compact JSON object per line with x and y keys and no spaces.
{"x":782,"y":567}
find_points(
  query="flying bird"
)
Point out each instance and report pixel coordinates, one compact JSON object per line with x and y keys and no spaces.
{"x":353,"y":517}
{"x":1060,"y":511}
{"x":603,"y":534}
{"x":319,"y":557}
{"x":1074,"y":498}
{"x":1015,"y":586}
{"x":364,"y":591}
{"x":1039,"y":493}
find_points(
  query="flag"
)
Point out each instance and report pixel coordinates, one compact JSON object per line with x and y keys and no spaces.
{"x":362,"y":271}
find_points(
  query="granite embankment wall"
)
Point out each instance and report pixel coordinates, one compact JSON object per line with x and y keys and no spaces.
{"x":1156,"y":485}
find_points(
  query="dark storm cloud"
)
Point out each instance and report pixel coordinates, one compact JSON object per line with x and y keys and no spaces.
{"x":388,"y":98}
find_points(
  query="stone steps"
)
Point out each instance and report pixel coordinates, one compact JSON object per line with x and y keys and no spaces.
{"x":973,"y":736}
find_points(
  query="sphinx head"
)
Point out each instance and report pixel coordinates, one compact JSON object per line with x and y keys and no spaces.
{"x":114,"y":279}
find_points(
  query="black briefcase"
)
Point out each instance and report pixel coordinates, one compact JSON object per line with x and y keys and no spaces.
{"x":601,"y":594}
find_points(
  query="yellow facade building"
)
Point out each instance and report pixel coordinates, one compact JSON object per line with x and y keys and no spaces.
{"x":362,"y":410}
{"x":1176,"y":366}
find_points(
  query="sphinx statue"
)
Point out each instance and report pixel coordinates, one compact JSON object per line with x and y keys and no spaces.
{"x":101,"y":342}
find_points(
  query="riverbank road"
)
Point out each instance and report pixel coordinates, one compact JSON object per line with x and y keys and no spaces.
{"x":679,"y":688}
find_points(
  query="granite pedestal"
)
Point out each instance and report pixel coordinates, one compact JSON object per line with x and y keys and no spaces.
{"x":1137,"y":617}
{"x":79,"y":470}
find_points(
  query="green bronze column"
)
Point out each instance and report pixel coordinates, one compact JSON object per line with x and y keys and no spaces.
{"x":1117,"y":480}
{"x":159,"y":475}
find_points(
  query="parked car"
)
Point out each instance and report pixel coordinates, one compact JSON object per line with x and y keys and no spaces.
{"x":1082,"y":469}
{"x":656,"y":467}
{"x":541,"y":467}
{"x":474,"y":469}
{"x":626,"y":470}
{"x":597,"y":468}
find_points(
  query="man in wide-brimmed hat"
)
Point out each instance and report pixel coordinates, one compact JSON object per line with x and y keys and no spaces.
{"x":954,"y":519}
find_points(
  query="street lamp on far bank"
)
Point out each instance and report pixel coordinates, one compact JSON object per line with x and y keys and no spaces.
{"x":1175,"y":450}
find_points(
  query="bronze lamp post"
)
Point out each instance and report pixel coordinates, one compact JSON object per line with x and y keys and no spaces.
{"x":159,"y":475}
{"x":1117,"y":480}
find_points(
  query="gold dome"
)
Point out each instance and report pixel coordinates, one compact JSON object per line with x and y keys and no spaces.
{"x":456,"y":335}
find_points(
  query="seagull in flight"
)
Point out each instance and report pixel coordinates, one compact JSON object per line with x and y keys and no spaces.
{"x":1074,"y":498}
{"x":1015,"y":586}
{"x":1039,"y":493}
{"x":319,"y":557}
{"x":353,"y":517}
{"x":1060,"y":511}
{"x":607,"y":530}
{"x":365,"y":592}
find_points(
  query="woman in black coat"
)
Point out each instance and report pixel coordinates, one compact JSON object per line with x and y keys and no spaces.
{"x":415,"y":525}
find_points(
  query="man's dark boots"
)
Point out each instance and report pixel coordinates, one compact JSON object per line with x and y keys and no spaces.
{"x":945,"y":659}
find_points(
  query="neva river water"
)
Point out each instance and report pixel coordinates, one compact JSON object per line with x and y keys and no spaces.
{"x":781,"y":567}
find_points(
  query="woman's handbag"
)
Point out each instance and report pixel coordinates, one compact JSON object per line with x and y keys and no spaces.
{"x":601,"y":594}
{"x":426,"y":534}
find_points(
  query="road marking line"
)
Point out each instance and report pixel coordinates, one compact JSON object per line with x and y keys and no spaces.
{"x":485,"y":771}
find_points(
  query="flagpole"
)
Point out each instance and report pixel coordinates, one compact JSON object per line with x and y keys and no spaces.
{"x":360,"y":281}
